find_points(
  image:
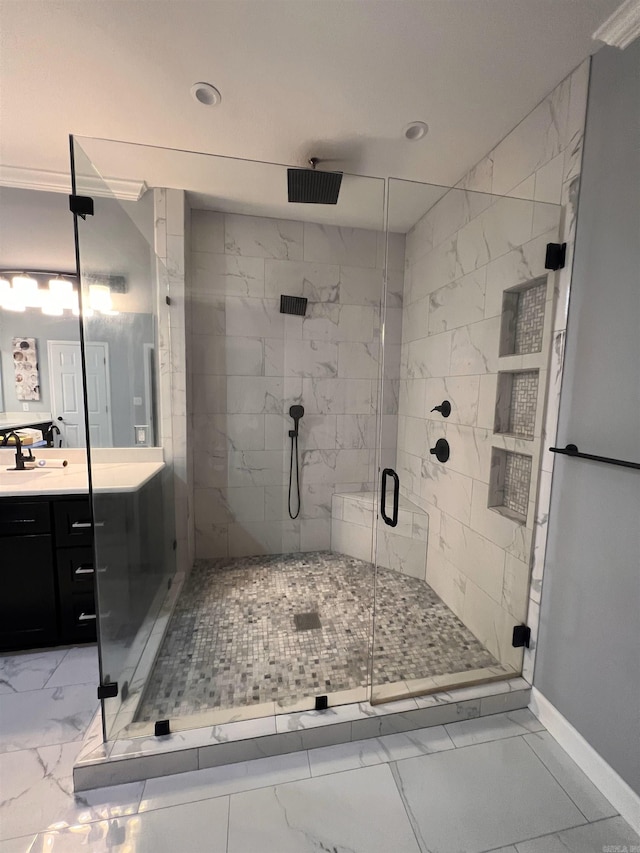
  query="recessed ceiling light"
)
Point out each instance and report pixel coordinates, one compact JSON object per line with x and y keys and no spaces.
{"x":205,"y":93}
{"x":416,"y":130}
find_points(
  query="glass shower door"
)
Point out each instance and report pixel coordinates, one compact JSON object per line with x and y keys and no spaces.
{"x":275,"y":607}
{"x":453,"y":553}
{"x":130,"y":481}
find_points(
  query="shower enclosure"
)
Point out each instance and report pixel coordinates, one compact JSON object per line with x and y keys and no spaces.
{"x":347,"y":399}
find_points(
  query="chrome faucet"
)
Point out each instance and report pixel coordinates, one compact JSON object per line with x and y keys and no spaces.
{"x":20,"y":457}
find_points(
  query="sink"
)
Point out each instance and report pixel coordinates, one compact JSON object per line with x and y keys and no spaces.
{"x":8,"y":478}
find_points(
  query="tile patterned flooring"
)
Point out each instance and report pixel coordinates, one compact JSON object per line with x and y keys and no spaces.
{"x":233,"y":641}
{"x":373,"y":796}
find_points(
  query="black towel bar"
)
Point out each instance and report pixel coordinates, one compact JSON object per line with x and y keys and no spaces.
{"x":572,"y":450}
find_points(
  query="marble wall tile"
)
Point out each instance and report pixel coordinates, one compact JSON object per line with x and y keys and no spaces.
{"x":351,"y":539}
{"x":326,"y":322}
{"x":255,"y":394}
{"x":522,"y":264}
{"x":430,"y":356}
{"x":515,"y":590}
{"x":402,"y":554}
{"x":207,"y":231}
{"x":355,"y":432}
{"x":462,"y":392}
{"x":310,"y":358}
{"x":537,"y":139}
{"x":395,"y":248}
{"x":249,"y":317}
{"x":358,"y":360}
{"x":458,"y":303}
{"x":316,"y":282}
{"x":360,"y":286}
{"x":446,"y":579}
{"x":474,"y":348}
{"x":260,"y":237}
{"x":338,"y":396}
{"x":255,"y":467}
{"x":226,"y":356}
{"x":226,"y":505}
{"x":231,"y":275}
{"x":329,"y":244}
{"x":481,"y":560}
{"x":324,"y":466}
{"x":446,"y":490}
{"x":207,"y":313}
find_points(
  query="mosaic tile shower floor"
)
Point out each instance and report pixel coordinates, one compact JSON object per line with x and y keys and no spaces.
{"x":233,"y":640}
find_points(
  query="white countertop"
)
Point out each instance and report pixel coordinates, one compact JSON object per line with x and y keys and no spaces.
{"x":13,"y":420}
{"x":114,"y":470}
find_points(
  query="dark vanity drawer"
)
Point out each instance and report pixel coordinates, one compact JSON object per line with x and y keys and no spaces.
{"x":24,"y":519}
{"x":79,"y":618}
{"x":75,"y":567}
{"x":73,"y":522}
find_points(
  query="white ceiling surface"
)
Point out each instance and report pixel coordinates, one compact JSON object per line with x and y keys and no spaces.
{"x":327,"y":78}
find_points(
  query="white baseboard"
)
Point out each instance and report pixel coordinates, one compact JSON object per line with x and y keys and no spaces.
{"x":603,"y":776}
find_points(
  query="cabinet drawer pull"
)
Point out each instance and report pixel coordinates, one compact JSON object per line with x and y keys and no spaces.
{"x":80,"y":525}
{"x":85,"y":617}
{"x":84,"y":570}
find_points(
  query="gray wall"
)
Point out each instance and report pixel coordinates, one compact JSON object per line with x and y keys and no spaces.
{"x":588,"y":662}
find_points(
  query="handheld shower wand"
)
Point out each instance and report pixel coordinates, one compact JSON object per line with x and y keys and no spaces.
{"x":295,"y":412}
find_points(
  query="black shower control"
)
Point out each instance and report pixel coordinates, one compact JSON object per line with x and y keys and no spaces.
{"x":444,"y":408}
{"x":441,"y":450}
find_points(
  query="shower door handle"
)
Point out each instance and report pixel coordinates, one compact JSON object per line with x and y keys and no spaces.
{"x":393,"y":521}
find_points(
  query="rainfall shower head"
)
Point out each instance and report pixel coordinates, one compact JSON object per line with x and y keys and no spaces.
{"x":309,"y":186}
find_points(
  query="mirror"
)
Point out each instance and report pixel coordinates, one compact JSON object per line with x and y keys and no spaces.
{"x":36,"y":248}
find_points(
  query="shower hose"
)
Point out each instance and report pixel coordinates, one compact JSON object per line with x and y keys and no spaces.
{"x":294,"y":445}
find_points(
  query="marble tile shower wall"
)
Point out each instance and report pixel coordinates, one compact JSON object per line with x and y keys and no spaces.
{"x":459,"y":259}
{"x":169,"y":235}
{"x":249,"y":364}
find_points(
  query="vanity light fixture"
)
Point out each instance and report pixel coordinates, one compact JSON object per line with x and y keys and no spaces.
{"x":25,"y":289}
{"x":30,"y":289}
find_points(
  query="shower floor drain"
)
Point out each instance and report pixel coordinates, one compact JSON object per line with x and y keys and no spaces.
{"x":307,"y":621}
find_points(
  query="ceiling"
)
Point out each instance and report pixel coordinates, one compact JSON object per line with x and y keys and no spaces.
{"x":336,"y":79}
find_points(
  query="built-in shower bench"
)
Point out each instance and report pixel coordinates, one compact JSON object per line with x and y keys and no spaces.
{"x":402,"y":548}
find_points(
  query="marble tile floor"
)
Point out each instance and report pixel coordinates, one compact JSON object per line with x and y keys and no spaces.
{"x":232,"y":640}
{"x":424,"y":790}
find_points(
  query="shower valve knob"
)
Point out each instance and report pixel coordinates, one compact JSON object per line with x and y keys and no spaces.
{"x":444,"y":408}
{"x":441,"y":450}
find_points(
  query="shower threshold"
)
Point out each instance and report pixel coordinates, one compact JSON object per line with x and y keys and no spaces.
{"x":134,"y":759}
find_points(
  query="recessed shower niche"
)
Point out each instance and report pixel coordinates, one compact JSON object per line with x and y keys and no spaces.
{"x":509,"y":484}
{"x":516,"y":403}
{"x":523,"y":318}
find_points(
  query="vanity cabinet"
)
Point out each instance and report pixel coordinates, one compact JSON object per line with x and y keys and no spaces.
{"x":46,"y":562}
{"x":28,"y":614}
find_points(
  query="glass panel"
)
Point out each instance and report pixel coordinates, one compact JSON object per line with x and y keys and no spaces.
{"x":124,"y":332}
{"x":469,"y":350}
{"x":275,"y":605}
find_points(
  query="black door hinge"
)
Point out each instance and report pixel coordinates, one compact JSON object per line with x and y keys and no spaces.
{"x":108,"y":691}
{"x":81,"y":205}
{"x":556,"y":256}
{"x":162,"y":728}
{"x":521,"y":636}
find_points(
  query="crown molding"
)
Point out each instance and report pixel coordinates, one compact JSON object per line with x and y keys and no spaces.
{"x":60,"y":182}
{"x":623,"y":27}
